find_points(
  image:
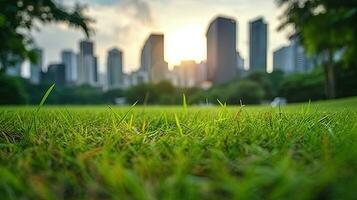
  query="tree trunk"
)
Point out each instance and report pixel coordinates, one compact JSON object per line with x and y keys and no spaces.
{"x":330,"y":76}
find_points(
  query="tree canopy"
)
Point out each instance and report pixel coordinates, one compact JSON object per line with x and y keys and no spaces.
{"x":19,"y":17}
{"x":326,"y":27}
{"x":322,"y":24}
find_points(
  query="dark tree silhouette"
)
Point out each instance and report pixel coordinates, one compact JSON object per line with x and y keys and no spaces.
{"x":19,"y":17}
{"x":325,"y":27}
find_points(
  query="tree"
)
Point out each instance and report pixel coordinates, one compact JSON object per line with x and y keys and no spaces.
{"x":113,"y":94}
{"x":12,"y":91}
{"x":264,"y":81}
{"x":142,"y":94}
{"x":303,"y":87}
{"x":19,"y":17}
{"x":247,"y":91}
{"x":325,"y":27}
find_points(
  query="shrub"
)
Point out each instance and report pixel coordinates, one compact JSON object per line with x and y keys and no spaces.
{"x":303,"y":87}
{"x":12,"y":91}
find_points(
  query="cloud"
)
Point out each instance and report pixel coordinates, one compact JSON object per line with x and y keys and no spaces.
{"x":138,"y":9}
{"x":124,"y":24}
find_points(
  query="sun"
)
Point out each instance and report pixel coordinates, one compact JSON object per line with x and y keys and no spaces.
{"x":185,"y":43}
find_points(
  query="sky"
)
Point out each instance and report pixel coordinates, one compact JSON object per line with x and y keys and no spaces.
{"x":126,"y":24}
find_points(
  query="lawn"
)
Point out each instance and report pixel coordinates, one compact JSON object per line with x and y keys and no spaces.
{"x":300,"y":151}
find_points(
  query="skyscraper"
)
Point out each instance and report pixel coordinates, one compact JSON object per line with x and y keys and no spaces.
{"x":86,"y":47}
{"x":240,"y":62}
{"x":292,"y":58}
{"x":301,"y":61}
{"x":283,"y":59}
{"x":36,"y":68}
{"x":258,"y":45}
{"x":186,"y":74}
{"x":115,"y":68}
{"x":56,"y":73}
{"x":201,"y":72}
{"x":152,"y":58}
{"x":96,"y":76}
{"x":69,"y":59}
{"x":87,"y":64}
{"x":221,"y":50}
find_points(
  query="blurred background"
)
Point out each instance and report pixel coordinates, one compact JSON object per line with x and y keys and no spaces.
{"x":156,"y":51}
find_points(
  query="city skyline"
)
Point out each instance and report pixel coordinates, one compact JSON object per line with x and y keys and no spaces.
{"x":224,"y":62}
{"x":187,"y":26}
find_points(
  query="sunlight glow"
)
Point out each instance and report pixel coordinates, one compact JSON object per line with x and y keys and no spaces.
{"x":185,"y":43}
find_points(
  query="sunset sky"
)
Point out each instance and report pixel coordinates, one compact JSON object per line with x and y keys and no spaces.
{"x":126,"y":24}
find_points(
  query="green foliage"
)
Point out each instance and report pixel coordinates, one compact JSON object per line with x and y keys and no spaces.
{"x":296,"y":152}
{"x":325,"y":27}
{"x":19,"y":17}
{"x":303,"y":87}
{"x":346,"y":81}
{"x":68,"y":94}
{"x":276,"y":78}
{"x":336,"y":18}
{"x":142,"y":93}
{"x":250,"y":90}
{"x":247,"y":91}
{"x":12,"y":91}
{"x":77,"y":95}
{"x":163,"y":93}
{"x":111,"y":95}
{"x":253,"y":89}
{"x":264,"y":81}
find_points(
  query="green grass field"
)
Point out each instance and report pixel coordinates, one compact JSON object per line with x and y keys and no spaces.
{"x":301,"y":151}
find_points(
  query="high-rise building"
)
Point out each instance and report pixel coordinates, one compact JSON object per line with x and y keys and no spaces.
{"x":96,"y":76}
{"x":138,"y":77}
{"x":86,"y":47}
{"x":240,"y":62}
{"x":36,"y":68}
{"x":258,"y":45}
{"x":87,"y":64}
{"x":56,"y":73}
{"x":221,"y":50}
{"x":103,"y":80}
{"x":115,"y":68}
{"x":301,"y":61}
{"x":201,"y":75}
{"x":69,"y":59}
{"x":152,"y":58}
{"x":186,"y":74}
{"x":283,"y":59}
{"x":292,"y":58}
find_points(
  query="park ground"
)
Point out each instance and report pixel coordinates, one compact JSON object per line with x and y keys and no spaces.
{"x":299,"y":151}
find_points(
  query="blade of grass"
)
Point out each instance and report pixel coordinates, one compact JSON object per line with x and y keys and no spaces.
{"x":34,"y":119}
{"x":49,"y":90}
{"x":178,"y":125}
{"x":124,"y":116}
{"x":220,"y":103}
{"x":184,"y":102}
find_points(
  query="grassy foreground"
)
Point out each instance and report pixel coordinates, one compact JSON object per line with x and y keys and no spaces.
{"x":297,"y":152}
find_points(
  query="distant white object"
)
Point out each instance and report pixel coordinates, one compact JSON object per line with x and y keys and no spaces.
{"x":278,"y":101}
{"x":120,"y":101}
